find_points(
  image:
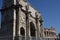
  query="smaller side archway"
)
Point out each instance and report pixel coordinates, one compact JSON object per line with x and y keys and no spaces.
{"x":22,"y":31}
{"x":32,"y":29}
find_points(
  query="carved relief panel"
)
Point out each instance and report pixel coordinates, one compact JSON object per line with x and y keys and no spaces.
{"x":22,"y":19}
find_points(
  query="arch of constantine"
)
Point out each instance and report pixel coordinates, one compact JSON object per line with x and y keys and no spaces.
{"x":21,"y":21}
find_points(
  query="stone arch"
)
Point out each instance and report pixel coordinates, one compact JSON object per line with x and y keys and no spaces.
{"x":22,"y":31}
{"x":32,"y":29}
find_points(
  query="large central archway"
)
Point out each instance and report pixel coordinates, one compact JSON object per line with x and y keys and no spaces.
{"x":32,"y":29}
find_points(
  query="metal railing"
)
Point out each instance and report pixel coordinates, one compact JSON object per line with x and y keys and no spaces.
{"x":24,"y":38}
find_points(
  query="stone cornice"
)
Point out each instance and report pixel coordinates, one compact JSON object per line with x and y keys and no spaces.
{"x":12,"y":6}
{"x":28,"y":12}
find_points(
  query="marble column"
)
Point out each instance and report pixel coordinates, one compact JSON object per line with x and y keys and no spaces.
{"x":38,"y":35}
{"x":41,"y":26}
{"x":27,"y":22}
{"x":14,"y":25}
{"x":17,"y":8}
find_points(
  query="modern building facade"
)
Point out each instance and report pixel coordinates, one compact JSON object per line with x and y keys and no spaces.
{"x":21,"y":21}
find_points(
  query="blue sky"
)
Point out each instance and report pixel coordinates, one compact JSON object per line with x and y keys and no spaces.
{"x":50,"y":10}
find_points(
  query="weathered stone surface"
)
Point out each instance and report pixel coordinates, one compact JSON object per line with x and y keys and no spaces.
{"x":22,"y":21}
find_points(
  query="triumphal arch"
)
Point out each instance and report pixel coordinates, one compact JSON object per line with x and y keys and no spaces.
{"x":20,"y":20}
